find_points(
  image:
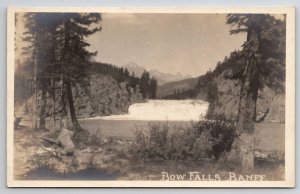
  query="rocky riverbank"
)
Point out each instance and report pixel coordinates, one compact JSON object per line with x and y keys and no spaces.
{"x":103,"y":96}
{"x":32,"y":152}
{"x":270,"y":104}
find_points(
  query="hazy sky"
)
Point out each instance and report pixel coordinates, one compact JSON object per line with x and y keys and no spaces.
{"x":186,"y":43}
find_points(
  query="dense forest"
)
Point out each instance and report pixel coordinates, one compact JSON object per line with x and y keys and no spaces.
{"x":146,"y":85}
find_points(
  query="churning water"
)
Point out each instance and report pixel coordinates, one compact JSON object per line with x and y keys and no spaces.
{"x":161,"y":110}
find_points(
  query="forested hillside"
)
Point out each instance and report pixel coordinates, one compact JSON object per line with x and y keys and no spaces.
{"x":223,"y":93}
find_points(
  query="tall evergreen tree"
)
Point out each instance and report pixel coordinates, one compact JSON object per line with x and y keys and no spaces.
{"x":40,"y":33}
{"x":152,"y":88}
{"x":126,"y":73}
{"x":144,"y":84}
{"x":212,"y":98}
{"x":75,"y":56}
{"x":263,"y":64}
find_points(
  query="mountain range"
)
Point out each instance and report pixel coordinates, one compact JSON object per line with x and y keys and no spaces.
{"x":162,"y":78}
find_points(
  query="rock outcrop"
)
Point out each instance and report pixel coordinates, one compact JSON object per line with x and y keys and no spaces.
{"x":103,"y":96}
{"x":270,"y":105}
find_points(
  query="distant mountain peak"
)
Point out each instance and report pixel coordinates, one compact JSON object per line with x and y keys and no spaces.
{"x":132,"y":65}
{"x":162,"y":78}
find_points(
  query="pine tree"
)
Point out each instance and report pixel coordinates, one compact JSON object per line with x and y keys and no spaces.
{"x":75,"y":57}
{"x":126,"y":73}
{"x":212,"y":98}
{"x":152,"y":88}
{"x":40,"y":32}
{"x":144,"y":84}
{"x":263,"y":64}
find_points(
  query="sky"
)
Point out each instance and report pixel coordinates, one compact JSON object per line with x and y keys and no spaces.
{"x":185,"y":43}
{"x":189,"y":44}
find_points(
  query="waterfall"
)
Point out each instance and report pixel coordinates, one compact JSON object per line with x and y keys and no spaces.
{"x":164,"y":110}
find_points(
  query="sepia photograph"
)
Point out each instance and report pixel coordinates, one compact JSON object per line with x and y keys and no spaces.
{"x":151,"y":97}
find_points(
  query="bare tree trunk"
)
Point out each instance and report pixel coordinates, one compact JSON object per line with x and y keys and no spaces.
{"x":255,"y":94}
{"x":262,"y":118}
{"x":71,"y":106}
{"x":63,"y":101}
{"x":35,"y":89}
{"x":54,"y":101}
{"x":246,"y":115}
{"x":43,"y":107}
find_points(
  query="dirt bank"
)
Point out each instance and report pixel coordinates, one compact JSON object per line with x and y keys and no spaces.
{"x":32,"y":152}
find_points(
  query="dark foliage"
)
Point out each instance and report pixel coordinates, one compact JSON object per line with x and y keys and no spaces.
{"x":118,"y":73}
{"x":182,"y":94}
{"x":266,"y":42}
{"x":58,"y":49}
{"x":205,"y":140}
{"x":148,"y":86}
{"x":212,"y":99}
{"x":222,"y":133}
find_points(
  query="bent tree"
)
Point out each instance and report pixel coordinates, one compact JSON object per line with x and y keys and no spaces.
{"x":263,"y":57}
{"x":75,"y":56}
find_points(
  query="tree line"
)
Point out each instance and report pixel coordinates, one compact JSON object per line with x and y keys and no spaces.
{"x":120,"y":74}
{"x":204,"y":85}
{"x":148,"y":86}
{"x":181,"y":94}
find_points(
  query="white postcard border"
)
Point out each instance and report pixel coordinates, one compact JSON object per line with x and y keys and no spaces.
{"x":289,"y":108}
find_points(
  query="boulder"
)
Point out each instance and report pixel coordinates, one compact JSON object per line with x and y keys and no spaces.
{"x":65,"y":140}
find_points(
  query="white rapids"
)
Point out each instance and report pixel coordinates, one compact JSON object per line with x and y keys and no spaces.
{"x":163,"y":110}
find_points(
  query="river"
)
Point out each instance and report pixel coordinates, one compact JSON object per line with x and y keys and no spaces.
{"x":174,"y":113}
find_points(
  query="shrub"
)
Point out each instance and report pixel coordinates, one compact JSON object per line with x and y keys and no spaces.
{"x":201,"y":141}
{"x":222,"y":134}
{"x":96,"y":138}
{"x":151,"y":144}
